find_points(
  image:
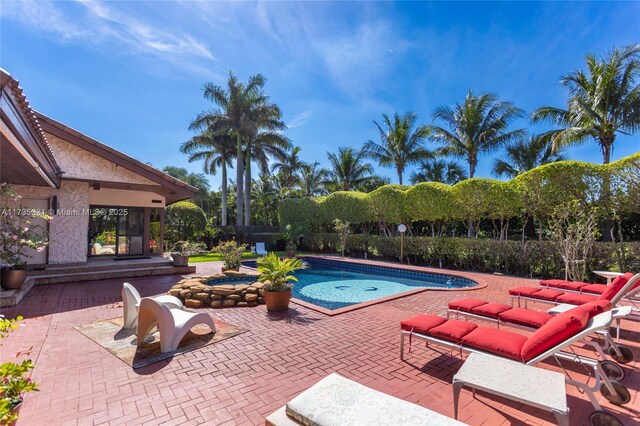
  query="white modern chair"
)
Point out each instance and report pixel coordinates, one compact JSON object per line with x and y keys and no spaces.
{"x":173,"y":323}
{"x":131,"y":303}
{"x":260,"y":249}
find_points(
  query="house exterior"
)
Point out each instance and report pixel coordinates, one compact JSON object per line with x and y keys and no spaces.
{"x":102,"y":203}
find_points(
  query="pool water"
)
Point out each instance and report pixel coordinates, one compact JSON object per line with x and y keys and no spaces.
{"x":333,"y":284}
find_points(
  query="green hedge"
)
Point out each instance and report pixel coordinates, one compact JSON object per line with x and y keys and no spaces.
{"x":535,"y":193}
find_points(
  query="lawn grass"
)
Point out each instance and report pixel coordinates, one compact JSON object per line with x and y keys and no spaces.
{"x":215,"y":257}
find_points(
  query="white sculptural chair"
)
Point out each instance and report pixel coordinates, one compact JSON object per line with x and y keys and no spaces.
{"x":173,"y":323}
{"x":131,"y":303}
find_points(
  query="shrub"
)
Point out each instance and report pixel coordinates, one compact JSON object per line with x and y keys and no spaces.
{"x":348,"y":206}
{"x":301,"y":213}
{"x":182,"y":220}
{"x":231,"y":253}
{"x":387,"y":205}
{"x":430,"y":202}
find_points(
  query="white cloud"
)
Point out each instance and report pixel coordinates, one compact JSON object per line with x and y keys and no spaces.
{"x":102,"y":25}
{"x":299,"y":119}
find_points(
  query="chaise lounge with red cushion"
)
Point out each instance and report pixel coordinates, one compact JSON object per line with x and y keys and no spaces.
{"x":581,"y":287}
{"x":549,"y":340}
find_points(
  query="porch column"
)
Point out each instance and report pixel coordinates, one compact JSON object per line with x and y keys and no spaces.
{"x":146,"y":227}
{"x":161,"y":233}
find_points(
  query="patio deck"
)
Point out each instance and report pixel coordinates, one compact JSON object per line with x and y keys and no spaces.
{"x":243,"y":379}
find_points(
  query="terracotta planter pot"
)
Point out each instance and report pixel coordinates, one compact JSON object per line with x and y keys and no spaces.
{"x":277,"y":300}
{"x":179,"y":259}
{"x":291,"y":253}
{"x":13,"y":279}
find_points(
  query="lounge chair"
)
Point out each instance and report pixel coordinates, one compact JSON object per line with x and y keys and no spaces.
{"x":260,"y":249}
{"x":548,"y":341}
{"x":174,"y":323}
{"x":131,"y":303}
{"x":336,"y":400}
{"x":581,"y":287}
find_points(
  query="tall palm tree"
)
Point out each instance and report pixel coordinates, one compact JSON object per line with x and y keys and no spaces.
{"x":440,"y":170}
{"x":480,"y":124}
{"x":259,"y":148}
{"x":197,"y":180}
{"x":290,"y":165}
{"x":216,"y":150}
{"x":242,"y":109}
{"x":525,"y":155}
{"x":602,"y":102}
{"x":400,"y":145}
{"x":348,"y":169}
{"x":312,"y":179}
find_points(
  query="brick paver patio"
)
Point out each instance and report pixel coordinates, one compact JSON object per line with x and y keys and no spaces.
{"x":243,"y":379}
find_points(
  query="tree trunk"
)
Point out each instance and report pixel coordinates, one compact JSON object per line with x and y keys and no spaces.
{"x":247,"y":188}
{"x":472,"y":168}
{"x":224,"y":192}
{"x":400,"y":176}
{"x":239,"y":176}
{"x":606,"y":144}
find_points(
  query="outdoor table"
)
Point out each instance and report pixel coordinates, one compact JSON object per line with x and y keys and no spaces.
{"x":513,"y":380}
{"x":608,"y":275}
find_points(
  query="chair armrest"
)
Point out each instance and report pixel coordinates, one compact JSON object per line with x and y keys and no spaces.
{"x":169,"y":301}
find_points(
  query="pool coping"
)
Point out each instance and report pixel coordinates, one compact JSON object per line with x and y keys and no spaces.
{"x":332,"y":312}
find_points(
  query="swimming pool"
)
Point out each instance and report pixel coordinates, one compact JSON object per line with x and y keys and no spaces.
{"x":333,"y":284}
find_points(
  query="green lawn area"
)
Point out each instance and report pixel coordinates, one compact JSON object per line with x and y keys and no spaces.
{"x":212,"y":257}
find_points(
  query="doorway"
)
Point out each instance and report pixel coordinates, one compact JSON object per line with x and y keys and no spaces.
{"x":116,"y":231}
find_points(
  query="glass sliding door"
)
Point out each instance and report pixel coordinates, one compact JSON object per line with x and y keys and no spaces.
{"x":116,"y":231}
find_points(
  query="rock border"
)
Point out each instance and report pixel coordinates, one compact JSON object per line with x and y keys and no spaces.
{"x":195,"y":293}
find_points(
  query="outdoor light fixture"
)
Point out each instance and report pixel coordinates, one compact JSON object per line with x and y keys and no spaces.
{"x":402,"y":228}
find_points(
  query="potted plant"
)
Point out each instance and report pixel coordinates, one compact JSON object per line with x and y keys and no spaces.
{"x":182,"y":250}
{"x":18,"y":235}
{"x":231,"y":254}
{"x":289,"y":237}
{"x":276,"y":274}
{"x":13,"y":385}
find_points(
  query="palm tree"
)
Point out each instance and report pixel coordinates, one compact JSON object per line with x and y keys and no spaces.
{"x":312,"y":179}
{"x":197,"y":180}
{"x":216,"y":150}
{"x":602,"y":102}
{"x":480,"y":124}
{"x":372,"y":183}
{"x":348,"y":170}
{"x":525,"y":155}
{"x":265,"y":197}
{"x":243,"y":109}
{"x":400,"y":145}
{"x":448,"y":172}
{"x":261,"y":147}
{"x":290,"y":165}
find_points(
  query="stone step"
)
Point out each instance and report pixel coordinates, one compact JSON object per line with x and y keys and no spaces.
{"x":91,"y":267}
{"x":112,"y":274}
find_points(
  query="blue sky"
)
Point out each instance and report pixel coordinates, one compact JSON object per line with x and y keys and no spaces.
{"x":130,"y":74}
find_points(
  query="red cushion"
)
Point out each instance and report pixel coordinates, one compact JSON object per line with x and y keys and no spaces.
{"x":466,"y":305}
{"x":523,"y":291}
{"x":526,"y":317}
{"x":562,"y":284}
{"x":616,"y":286}
{"x":491,"y":310}
{"x":453,"y":330}
{"x":596,"y":307}
{"x":422,"y":323}
{"x":555,"y":331}
{"x":547,"y":294}
{"x":495,"y":341}
{"x":576,"y":299}
{"x":594,"y":288}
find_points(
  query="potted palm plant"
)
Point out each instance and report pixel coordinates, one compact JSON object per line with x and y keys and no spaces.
{"x":276,"y":273}
{"x":182,"y":250}
{"x":19,"y":234}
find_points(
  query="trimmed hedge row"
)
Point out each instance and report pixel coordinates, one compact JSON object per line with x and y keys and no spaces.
{"x":532,"y":194}
{"x":528,"y":259}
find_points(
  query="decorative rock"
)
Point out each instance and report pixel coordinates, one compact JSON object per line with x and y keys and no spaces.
{"x":175,"y":292}
{"x":200,"y":296}
{"x":257,"y":285}
{"x":252,"y":289}
{"x":216,"y":297}
{"x":261,"y":292}
{"x":240,"y":287}
{"x":234,"y":297}
{"x":193,"y":303}
{"x":242,"y":304}
{"x":253,"y":303}
{"x":216,"y":304}
{"x":184,"y":293}
{"x":223,"y":290}
{"x":232,"y":273}
{"x":227,"y":303}
{"x":251,"y":297}
{"x":261,"y":300}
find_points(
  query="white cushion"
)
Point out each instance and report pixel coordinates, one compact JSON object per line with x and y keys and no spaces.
{"x":335,"y":401}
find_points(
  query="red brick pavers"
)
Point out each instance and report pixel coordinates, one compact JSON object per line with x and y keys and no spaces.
{"x":243,"y":379}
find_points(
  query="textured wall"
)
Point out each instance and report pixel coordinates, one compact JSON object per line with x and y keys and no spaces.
{"x":68,"y":231}
{"x":80,"y":164}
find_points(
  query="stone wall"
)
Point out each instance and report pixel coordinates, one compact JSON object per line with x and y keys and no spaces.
{"x":196,"y":294}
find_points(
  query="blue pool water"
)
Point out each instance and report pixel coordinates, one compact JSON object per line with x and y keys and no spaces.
{"x":332,"y":284}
